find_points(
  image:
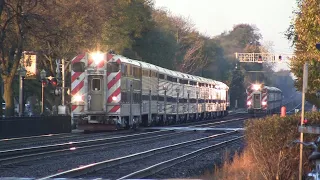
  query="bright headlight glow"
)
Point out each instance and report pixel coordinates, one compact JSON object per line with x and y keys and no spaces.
{"x":97,"y":57}
{"x":77,"y":98}
{"x":264,"y":103}
{"x":249,"y":103}
{"x":114,"y":98}
{"x":256,"y":86}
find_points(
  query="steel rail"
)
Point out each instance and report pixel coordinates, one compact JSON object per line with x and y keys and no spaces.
{"x":112,"y":162}
{"x":53,"y":147}
{"x":220,"y":122}
{"x":171,"y":162}
{"x":8,"y":142}
{"x":28,"y":157}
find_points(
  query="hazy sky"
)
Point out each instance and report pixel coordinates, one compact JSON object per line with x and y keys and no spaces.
{"x":212,"y":17}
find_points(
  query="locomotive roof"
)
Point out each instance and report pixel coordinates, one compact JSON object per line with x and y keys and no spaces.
{"x":176,"y":73}
{"x":164,"y":71}
{"x":149,"y":66}
{"x":188,"y":76}
{"x":128,"y":61}
{"x":272,"y":88}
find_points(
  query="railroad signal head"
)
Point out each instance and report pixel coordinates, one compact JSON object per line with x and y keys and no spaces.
{"x":54,"y":82}
{"x":305,"y":121}
{"x":44,"y":82}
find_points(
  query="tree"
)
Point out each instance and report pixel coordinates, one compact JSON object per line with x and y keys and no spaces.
{"x":237,"y":89}
{"x":304,"y":33}
{"x":17,"y":21}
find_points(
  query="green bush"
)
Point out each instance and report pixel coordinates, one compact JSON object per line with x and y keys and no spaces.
{"x":268,"y":139}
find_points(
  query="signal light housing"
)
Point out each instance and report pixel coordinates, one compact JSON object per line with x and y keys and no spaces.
{"x":44,"y":82}
{"x":305,"y":121}
{"x":54,"y":82}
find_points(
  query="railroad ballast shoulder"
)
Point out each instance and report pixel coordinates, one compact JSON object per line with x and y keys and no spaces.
{"x":109,"y":91}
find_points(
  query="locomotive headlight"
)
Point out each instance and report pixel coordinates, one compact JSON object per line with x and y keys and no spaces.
{"x":264,"y":103}
{"x":256,"y":87}
{"x":97,"y":57}
{"x":114,"y":98}
{"x":77,"y":98}
{"x":249,"y":103}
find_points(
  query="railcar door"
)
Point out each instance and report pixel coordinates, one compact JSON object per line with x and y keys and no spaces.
{"x":256,"y":101}
{"x":95,"y":93}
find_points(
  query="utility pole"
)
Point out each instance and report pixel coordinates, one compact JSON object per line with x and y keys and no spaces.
{"x":304,"y":90}
{"x":63,"y":82}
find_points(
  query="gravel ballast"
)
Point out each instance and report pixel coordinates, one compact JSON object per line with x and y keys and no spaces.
{"x":48,"y":166}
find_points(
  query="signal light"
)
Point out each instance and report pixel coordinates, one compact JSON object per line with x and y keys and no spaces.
{"x":44,"y":83}
{"x":305,"y":121}
{"x":280,"y":58}
{"x":54,"y":82}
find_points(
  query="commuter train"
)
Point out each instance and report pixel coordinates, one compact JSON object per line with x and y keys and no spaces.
{"x":109,"y":91}
{"x":263,"y":99}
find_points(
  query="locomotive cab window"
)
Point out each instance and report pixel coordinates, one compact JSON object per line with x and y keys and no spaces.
{"x":96,"y":84}
{"x":112,"y":67}
{"x":78,"y":67}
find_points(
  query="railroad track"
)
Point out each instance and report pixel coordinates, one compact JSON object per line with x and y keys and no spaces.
{"x":14,"y":156}
{"x":153,"y":169}
{"x":152,"y":153}
{"x":7,"y":143}
{"x":15,"y":143}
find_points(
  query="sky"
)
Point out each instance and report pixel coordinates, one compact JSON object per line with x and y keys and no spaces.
{"x":212,"y":17}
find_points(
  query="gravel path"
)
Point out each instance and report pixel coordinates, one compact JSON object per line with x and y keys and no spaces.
{"x":48,"y":166}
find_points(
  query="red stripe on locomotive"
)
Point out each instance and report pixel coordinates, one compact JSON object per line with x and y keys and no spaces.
{"x":115,"y":93}
{"x":77,"y":88}
{"x":114,"y":109}
{"x":114,"y":80}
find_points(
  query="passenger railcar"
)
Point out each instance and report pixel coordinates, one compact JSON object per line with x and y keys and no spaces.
{"x":263,"y":99}
{"x":110,"y":91}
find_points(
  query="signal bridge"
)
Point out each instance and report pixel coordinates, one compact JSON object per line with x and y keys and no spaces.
{"x":263,"y":57}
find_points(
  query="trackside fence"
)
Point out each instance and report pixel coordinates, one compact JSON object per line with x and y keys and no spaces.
{"x":31,"y":126}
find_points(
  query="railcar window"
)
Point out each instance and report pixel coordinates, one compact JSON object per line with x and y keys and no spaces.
{"x":145,"y":73}
{"x":124,"y":69}
{"x":175,"y":80}
{"x":124,"y":97}
{"x":129,"y":70}
{"x":160,"y":98}
{"x":96,"y":85}
{"x":161,"y":76}
{"x":145,"y":97}
{"x":78,"y":67}
{"x":154,"y":98}
{"x":112,"y":67}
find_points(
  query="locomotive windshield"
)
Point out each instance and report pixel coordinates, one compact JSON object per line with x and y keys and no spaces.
{"x":78,"y":67}
{"x":112,"y":67}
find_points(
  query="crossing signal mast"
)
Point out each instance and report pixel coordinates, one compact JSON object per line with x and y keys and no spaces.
{"x":263,"y":57}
